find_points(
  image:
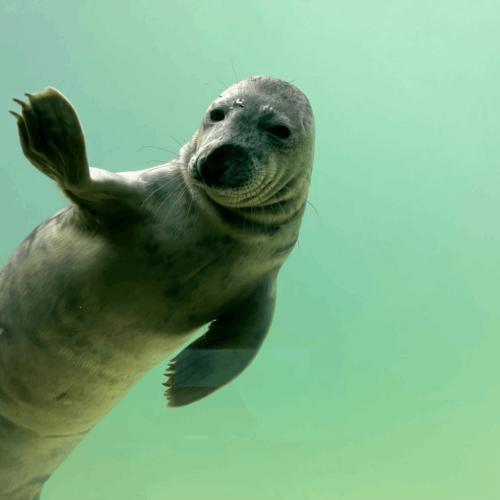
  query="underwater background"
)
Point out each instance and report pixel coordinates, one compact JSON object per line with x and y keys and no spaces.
{"x":380,"y":376}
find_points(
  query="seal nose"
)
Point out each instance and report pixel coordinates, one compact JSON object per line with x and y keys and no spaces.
{"x":227,"y":165}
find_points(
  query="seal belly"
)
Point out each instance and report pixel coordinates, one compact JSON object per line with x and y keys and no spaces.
{"x":27,"y":460}
{"x":65,"y":360}
{"x":83,"y":356}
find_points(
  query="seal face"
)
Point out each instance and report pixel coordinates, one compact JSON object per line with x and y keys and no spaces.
{"x":250,"y":148}
{"x":111,"y":286}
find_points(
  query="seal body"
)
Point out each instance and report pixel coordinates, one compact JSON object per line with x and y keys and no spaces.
{"x":111,"y":286}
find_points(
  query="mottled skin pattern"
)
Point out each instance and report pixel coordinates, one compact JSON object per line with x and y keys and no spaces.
{"x":111,"y":286}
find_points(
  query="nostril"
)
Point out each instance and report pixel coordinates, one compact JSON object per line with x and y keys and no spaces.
{"x":213,"y":167}
{"x":197,"y":171}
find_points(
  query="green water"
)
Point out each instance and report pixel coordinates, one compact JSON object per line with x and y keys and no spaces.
{"x":379,"y":378}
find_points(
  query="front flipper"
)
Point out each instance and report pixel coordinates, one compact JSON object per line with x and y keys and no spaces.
{"x":52,"y":140}
{"x":228,"y":347}
{"x":52,"y":137}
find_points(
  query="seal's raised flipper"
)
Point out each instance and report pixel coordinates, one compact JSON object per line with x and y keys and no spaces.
{"x":52,"y":139}
{"x":229,"y":346}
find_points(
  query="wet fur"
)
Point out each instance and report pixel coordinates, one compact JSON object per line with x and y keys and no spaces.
{"x":111,"y":286}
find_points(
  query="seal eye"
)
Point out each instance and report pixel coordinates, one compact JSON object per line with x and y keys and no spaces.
{"x":280,"y":131}
{"x":217,"y":115}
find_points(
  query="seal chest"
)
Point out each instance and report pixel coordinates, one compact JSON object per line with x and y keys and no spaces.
{"x":111,"y":286}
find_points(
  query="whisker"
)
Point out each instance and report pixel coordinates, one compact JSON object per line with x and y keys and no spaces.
{"x":149,"y":170}
{"x":163,"y":162}
{"x":168,"y":196}
{"x":163,"y":185}
{"x":180,"y":144}
{"x":264,"y":212}
{"x":176,"y":201}
{"x":220,"y":80}
{"x":187,"y":216}
{"x":157,"y":147}
{"x":234,"y":71}
{"x":284,"y":211}
{"x":305,"y":199}
{"x":285,"y":170}
{"x":173,"y":162}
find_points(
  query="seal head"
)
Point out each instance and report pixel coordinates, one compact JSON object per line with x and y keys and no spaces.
{"x":254,"y":150}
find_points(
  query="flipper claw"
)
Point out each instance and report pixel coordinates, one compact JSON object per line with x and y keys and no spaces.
{"x":19,"y":117}
{"x":21,"y":103}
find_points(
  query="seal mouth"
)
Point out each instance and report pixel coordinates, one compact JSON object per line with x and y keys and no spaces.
{"x":258,"y":190}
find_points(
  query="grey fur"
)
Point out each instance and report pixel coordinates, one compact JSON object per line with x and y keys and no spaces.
{"x":111,"y":286}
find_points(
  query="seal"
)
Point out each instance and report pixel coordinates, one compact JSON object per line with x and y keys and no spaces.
{"x":109,"y":287}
